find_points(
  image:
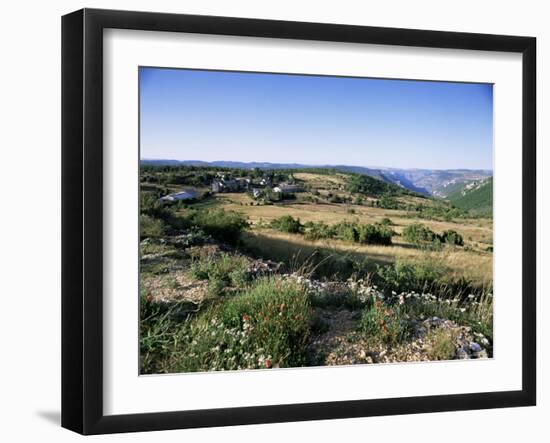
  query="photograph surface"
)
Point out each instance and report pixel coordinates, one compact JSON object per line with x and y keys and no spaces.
{"x":292,"y":220}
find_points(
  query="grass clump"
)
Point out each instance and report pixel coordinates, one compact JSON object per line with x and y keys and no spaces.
{"x":442,"y":345}
{"x":265,"y":326}
{"x":220,"y":271}
{"x":380,"y":321}
{"x":160,"y":326}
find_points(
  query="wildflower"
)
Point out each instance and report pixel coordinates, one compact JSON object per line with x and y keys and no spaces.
{"x":246,"y":318}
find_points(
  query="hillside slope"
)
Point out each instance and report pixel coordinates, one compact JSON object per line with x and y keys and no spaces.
{"x":476,"y":198}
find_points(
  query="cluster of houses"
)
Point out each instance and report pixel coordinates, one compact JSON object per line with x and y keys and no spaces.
{"x":223,"y":183}
{"x":256,"y":187}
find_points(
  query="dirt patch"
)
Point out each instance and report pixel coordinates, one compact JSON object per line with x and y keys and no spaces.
{"x":176,"y":287}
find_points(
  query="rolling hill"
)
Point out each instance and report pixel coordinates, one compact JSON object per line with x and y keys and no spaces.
{"x":428,"y":182}
{"x":475,"y":197}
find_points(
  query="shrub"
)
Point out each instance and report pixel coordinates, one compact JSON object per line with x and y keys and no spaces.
{"x":318,"y":231}
{"x":349,"y":231}
{"x":150,"y":227}
{"x":409,"y":276}
{"x":452,"y":238}
{"x":223,"y":225}
{"x":375,"y":235}
{"x":346,"y":231}
{"x":387,"y":201}
{"x":287,"y":223}
{"x":386,"y":222}
{"x":418,"y":233}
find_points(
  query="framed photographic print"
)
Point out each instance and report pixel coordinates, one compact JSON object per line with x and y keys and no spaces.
{"x":269,"y":221}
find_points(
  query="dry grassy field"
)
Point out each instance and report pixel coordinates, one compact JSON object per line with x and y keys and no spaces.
{"x":472,"y":261}
{"x":325,"y":274}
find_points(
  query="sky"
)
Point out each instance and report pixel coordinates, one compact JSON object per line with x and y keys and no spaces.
{"x":314,"y":120}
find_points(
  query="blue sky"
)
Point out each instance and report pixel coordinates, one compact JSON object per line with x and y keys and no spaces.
{"x":216,"y":115}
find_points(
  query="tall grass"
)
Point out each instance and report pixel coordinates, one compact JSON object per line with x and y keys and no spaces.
{"x":266,"y":325}
{"x":225,"y":270}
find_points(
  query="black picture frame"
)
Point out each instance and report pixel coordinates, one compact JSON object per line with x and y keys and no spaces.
{"x":82,"y":215}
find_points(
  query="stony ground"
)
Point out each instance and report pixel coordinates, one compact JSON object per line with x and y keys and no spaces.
{"x":342,"y":344}
{"x":337,"y":339}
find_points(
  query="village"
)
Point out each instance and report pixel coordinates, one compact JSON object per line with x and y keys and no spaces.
{"x":266,"y":187}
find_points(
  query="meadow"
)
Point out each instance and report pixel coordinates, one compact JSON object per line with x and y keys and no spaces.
{"x":294,"y":268}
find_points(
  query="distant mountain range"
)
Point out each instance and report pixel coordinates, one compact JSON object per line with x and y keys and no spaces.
{"x":429,"y":182}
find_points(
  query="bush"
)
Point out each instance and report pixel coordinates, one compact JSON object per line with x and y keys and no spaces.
{"x":375,"y":235}
{"x":418,"y":233}
{"x":452,"y":238}
{"x":318,"y":231}
{"x":404,"y":276}
{"x":346,"y":231}
{"x":349,"y":231}
{"x":223,"y":225}
{"x":287,"y":223}
{"x":150,"y":227}
{"x":387,"y":201}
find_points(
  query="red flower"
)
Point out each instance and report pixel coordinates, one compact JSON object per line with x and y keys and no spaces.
{"x":267,"y":363}
{"x":246,"y":317}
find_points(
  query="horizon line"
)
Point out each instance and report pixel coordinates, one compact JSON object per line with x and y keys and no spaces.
{"x":316,"y":165}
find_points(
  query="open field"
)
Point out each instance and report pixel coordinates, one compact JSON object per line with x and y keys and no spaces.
{"x":300,"y":268}
{"x":472,"y":261}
